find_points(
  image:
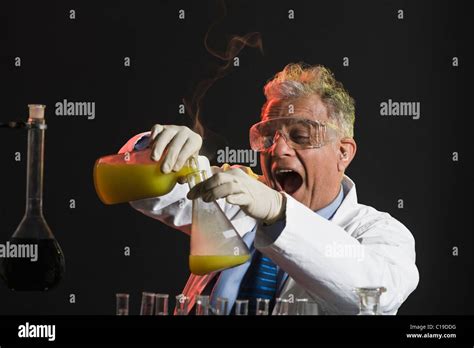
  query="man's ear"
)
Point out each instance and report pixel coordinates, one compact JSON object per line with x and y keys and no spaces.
{"x":346,"y":152}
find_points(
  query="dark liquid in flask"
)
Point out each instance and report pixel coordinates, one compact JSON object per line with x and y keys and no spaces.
{"x":21,"y":274}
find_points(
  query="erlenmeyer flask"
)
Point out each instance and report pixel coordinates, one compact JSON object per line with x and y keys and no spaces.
{"x":369,"y":300}
{"x":45,"y":266}
{"x":215,"y":244}
{"x":134,"y":175}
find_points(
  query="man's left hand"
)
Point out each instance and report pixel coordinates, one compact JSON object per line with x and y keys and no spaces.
{"x":254,"y":197}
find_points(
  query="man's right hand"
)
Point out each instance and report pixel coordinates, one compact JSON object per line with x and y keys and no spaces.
{"x":180,"y":143}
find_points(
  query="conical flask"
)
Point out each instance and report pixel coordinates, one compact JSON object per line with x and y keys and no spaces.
{"x":34,"y":260}
{"x":215,"y":243}
{"x":131,"y":176}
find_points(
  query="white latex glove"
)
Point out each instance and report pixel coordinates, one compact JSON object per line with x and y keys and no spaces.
{"x":180,"y":143}
{"x":253,"y":196}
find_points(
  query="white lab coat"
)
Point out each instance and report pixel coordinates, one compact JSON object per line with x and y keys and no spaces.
{"x":325,"y":260}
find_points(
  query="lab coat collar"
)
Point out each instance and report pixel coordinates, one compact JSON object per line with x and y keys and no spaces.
{"x":328,"y":211}
{"x":346,"y":209}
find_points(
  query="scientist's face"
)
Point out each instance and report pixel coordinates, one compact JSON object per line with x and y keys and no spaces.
{"x":311,"y":176}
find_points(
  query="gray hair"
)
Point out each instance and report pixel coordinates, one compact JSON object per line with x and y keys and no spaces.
{"x":299,"y":80}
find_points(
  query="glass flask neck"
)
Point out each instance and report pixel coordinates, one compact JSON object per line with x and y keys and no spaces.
{"x":196,"y":177}
{"x":34,"y":174}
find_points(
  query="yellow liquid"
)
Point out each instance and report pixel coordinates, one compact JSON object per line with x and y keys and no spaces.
{"x":118,"y":183}
{"x":200,"y":264}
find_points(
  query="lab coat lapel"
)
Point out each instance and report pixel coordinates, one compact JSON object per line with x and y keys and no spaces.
{"x":346,"y":212}
{"x":341,"y":217}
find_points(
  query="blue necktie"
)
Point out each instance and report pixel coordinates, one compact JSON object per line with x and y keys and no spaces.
{"x":260,"y":281}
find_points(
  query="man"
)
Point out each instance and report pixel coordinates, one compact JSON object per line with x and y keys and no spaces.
{"x":301,"y":219}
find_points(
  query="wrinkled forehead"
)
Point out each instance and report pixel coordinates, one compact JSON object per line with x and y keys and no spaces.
{"x":308,"y":107}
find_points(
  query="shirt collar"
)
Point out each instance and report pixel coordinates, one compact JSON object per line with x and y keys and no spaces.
{"x":328,"y":211}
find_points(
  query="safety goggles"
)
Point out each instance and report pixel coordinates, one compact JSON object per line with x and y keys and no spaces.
{"x":299,"y":133}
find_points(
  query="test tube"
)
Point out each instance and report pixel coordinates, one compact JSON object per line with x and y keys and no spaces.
{"x":262,"y":306}
{"x":241,"y":307}
{"x":148,"y":303}
{"x":221,"y":306}
{"x":161,"y":304}
{"x":182,"y":303}
{"x":202,"y":305}
{"x":281,"y":306}
{"x":122,"y":304}
{"x":302,"y":306}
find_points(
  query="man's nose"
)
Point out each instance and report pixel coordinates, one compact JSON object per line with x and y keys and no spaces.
{"x":280,"y":146}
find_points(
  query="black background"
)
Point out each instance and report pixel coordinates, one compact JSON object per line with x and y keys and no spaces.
{"x":82,"y":60}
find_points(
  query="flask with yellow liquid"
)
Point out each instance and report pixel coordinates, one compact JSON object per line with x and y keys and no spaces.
{"x":215,"y":243}
{"x":131,"y":176}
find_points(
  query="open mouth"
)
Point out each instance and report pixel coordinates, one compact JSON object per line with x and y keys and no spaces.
{"x":288,"y":180}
